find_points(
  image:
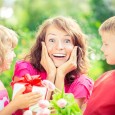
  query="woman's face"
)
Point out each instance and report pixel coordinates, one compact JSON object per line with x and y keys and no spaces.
{"x":59,"y":45}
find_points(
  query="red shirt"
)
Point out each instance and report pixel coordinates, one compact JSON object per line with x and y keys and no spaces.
{"x":102,"y":100}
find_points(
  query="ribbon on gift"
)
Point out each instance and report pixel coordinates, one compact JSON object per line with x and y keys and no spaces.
{"x":28,"y":81}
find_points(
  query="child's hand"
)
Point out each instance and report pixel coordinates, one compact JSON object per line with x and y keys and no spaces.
{"x":47,"y":62}
{"x":70,"y":65}
{"x":26,"y":100}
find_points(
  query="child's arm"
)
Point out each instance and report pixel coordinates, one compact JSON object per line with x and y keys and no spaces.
{"x":21,"y":101}
{"x":9,"y":109}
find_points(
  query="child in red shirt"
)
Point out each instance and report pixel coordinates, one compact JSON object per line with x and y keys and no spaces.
{"x":102,"y":100}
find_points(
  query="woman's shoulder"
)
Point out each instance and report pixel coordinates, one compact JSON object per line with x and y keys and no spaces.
{"x":21,"y":64}
{"x":24,"y":67}
{"x":82,"y":86}
{"x":85,"y":81}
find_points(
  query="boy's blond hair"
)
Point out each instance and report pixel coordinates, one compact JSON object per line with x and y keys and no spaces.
{"x":8,"y":40}
{"x":108,"y":26}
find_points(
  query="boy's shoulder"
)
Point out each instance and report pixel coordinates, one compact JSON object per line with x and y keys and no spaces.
{"x":108,"y":73}
{"x":105,"y":76}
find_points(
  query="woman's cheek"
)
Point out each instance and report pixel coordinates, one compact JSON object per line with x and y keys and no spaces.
{"x":50,"y":48}
{"x":70,"y":48}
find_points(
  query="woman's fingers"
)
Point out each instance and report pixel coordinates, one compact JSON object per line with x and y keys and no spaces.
{"x":45,"y":53}
{"x":74,"y":54}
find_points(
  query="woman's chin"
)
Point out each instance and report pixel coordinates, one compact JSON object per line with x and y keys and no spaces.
{"x":58,"y":64}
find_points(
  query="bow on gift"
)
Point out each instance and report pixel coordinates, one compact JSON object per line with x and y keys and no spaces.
{"x":28,"y":81}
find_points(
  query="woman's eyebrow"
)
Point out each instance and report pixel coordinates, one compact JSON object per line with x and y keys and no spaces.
{"x":52,"y":34}
{"x":67,"y":35}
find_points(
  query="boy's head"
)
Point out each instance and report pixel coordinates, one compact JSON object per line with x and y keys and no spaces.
{"x":8,"y":40}
{"x":107,"y":32}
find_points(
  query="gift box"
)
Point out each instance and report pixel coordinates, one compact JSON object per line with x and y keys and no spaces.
{"x":31,"y":84}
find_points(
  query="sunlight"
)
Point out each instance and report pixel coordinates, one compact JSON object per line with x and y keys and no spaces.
{"x":6,"y":12}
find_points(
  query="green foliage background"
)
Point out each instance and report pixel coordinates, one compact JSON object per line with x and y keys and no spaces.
{"x":29,"y":14}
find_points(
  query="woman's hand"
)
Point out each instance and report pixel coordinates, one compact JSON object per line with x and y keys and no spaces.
{"x":26,"y":100}
{"x":47,"y":63}
{"x":65,"y":68}
{"x":70,"y":65}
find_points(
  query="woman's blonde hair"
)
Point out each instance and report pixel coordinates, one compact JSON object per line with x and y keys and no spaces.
{"x":108,"y":26}
{"x":8,"y":40}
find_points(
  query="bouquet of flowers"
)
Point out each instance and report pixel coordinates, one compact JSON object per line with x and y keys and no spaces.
{"x":61,"y":103}
{"x":64,"y":104}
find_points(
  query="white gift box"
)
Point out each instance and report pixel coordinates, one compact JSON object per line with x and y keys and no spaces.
{"x":42,"y":90}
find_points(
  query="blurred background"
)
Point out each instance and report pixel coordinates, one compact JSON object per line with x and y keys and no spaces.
{"x":25,"y":16}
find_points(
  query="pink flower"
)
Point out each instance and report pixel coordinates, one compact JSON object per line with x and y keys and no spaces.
{"x":43,"y":103}
{"x":44,"y":111}
{"x":27,"y":112}
{"x":62,"y":103}
{"x":48,"y":84}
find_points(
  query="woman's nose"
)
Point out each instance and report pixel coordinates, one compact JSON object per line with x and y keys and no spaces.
{"x":59,"y":45}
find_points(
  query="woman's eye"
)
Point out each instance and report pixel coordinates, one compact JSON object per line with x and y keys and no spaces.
{"x":51,"y":40}
{"x":67,"y":41}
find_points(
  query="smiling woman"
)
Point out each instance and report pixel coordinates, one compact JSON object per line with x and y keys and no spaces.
{"x":59,"y":45}
{"x":59,"y":55}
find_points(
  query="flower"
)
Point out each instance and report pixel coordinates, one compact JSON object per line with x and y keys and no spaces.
{"x":28,"y":112}
{"x":44,"y":111}
{"x":44,"y":103}
{"x":48,"y":84}
{"x":64,"y":104}
{"x":61,"y":103}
